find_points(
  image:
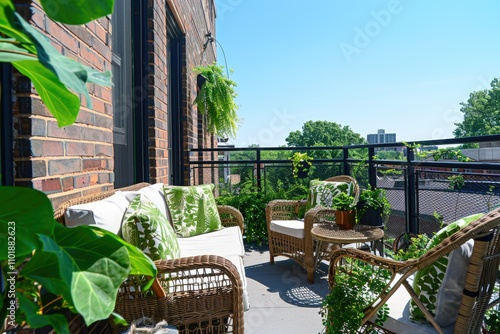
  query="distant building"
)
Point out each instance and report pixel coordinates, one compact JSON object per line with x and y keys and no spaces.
{"x":381,"y":137}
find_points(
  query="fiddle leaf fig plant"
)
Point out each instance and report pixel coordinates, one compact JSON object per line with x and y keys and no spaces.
{"x":49,"y":269}
{"x":216,"y":100}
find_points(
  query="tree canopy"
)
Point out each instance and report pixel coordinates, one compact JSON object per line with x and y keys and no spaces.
{"x":481,"y":113}
{"x":324,"y":133}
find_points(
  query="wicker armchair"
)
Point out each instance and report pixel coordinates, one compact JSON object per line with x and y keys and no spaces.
{"x":480,"y":280}
{"x":299,"y":246}
{"x":204,"y":294}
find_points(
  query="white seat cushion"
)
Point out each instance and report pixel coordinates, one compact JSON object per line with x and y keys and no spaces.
{"x":225,"y":242}
{"x":293,"y":228}
{"x":238,"y":262}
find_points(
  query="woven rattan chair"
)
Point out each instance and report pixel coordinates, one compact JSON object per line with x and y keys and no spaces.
{"x":204,"y":294}
{"x":299,"y":247}
{"x":482,"y":273}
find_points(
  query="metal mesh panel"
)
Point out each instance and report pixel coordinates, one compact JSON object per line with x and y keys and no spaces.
{"x":449,"y":196}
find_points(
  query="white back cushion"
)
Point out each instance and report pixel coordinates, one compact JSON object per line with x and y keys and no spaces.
{"x":106,"y":213}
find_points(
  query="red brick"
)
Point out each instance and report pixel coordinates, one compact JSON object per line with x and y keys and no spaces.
{"x":51,"y":185}
{"x":67,"y":183}
{"x":64,"y":166}
{"x":79,"y":149}
{"x":93,"y":164}
{"x":46,"y":148}
{"x":82,"y":181}
{"x":69,"y":132}
{"x":94,"y":179}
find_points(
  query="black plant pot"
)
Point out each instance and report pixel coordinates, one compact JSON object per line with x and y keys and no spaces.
{"x":303,"y":170}
{"x":371,"y":217}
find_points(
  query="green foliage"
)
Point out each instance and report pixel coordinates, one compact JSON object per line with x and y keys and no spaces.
{"x":456,"y":182}
{"x":252,"y":205}
{"x":374,"y":198}
{"x":77,"y":12}
{"x":410,"y":247}
{"x":216,"y":100}
{"x":389,"y":155}
{"x":344,"y":201}
{"x":356,"y":285}
{"x":58,"y":268}
{"x":481,"y":113}
{"x":492,"y":320}
{"x":58,"y":79}
{"x":300,"y":161}
{"x":324,"y":133}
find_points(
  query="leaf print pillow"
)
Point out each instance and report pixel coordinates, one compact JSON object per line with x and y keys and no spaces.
{"x":193,"y":209}
{"x":146,"y":227}
{"x":429,"y":279}
{"x":322,"y":193}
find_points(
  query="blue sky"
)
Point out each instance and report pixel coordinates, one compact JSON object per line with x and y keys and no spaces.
{"x":400,"y":65}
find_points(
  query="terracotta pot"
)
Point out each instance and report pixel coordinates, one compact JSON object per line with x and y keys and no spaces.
{"x":345,"y":219}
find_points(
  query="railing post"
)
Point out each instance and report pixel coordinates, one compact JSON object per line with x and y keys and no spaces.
{"x":372,"y":172}
{"x":411,"y":196}
{"x":345,"y":155}
{"x":259,"y":185}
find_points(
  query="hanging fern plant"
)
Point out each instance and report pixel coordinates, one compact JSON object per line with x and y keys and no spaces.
{"x":216,"y":100}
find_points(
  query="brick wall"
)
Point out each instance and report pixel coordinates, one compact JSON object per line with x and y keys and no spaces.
{"x":78,"y":160}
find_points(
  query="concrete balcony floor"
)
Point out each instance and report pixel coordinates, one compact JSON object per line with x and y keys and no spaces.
{"x":281,"y":298}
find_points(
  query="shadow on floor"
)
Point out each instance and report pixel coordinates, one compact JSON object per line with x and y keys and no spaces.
{"x":288,"y":279}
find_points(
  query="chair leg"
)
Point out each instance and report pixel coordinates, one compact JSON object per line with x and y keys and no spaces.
{"x":271,"y":258}
{"x":310,"y":275}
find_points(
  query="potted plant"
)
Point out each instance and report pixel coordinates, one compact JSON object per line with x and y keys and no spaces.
{"x":355,"y":286}
{"x":345,"y":208}
{"x":52,"y":272}
{"x":215,"y":100}
{"x":301,"y":164}
{"x":373,"y":207}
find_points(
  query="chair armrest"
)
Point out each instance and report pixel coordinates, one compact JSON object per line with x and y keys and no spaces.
{"x":230,"y":216}
{"x":199,"y":290}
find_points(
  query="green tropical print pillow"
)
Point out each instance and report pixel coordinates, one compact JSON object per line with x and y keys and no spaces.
{"x":322,"y":193}
{"x":193,"y":209}
{"x":429,"y":279}
{"x":146,"y":227}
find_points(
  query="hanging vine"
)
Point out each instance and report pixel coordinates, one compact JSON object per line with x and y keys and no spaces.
{"x":216,"y":100}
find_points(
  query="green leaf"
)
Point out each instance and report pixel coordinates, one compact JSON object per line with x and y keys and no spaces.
{"x":7,"y":19}
{"x":71,"y":73}
{"x":140,"y":264}
{"x":10,"y":52}
{"x":62,"y":103}
{"x":24,"y":212}
{"x":86,"y":269}
{"x":36,"y":320}
{"x":77,"y":11}
{"x":98,"y":77}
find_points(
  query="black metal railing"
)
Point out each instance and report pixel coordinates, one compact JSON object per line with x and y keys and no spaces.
{"x":423,"y":193}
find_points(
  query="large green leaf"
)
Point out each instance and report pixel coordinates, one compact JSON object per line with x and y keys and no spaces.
{"x":86,"y":266}
{"x":63,"y":104}
{"x":140,"y":264}
{"x":24,"y":212}
{"x":36,"y":320}
{"x":10,"y":52}
{"x":69,"y":72}
{"x":77,"y":11}
{"x":9,"y":25}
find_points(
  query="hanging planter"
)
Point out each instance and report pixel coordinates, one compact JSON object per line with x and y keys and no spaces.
{"x":215,"y":100}
{"x":301,"y":164}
